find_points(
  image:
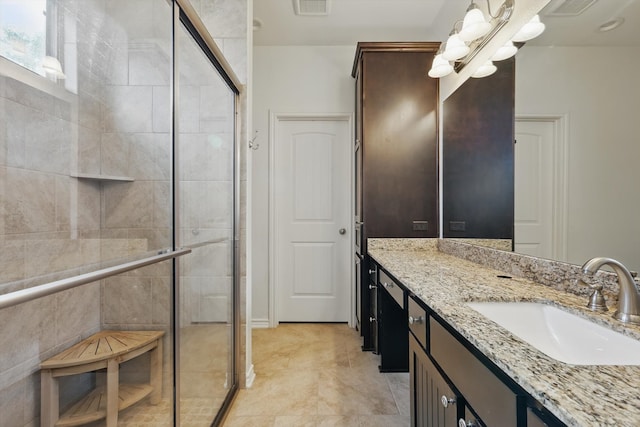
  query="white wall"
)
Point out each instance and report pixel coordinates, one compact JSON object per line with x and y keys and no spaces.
{"x":289,"y":79}
{"x":597,"y":89}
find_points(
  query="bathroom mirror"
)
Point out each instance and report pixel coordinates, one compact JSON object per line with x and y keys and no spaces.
{"x":577,"y":109}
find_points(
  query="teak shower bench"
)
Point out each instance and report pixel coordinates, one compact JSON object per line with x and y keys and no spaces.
{"x":103,"y":350}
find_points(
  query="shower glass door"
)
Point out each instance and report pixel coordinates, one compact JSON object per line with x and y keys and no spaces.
{"x":205,"y":107}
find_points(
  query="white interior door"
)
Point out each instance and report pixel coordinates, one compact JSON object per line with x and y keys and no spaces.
{"x":534,"y":187}
{"x":312,"y":228}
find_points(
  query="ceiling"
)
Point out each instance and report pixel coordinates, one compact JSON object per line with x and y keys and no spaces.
{"x":351,"y":21}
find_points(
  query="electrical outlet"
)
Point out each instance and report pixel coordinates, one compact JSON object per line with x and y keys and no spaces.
{"x":420,"y":225}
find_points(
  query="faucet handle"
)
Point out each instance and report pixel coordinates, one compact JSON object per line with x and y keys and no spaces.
{"x":596,"y":300}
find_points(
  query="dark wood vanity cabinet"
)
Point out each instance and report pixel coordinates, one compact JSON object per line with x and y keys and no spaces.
{"x":396,"y":154}
{"x":393,"y":344}
{"x":450,"y":378}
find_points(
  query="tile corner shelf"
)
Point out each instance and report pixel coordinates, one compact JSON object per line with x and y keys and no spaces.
{"x":103,"y":350}
{"x":99,"y":177}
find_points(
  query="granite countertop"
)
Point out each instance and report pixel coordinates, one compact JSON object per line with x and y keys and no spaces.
{"x":577,"y":395}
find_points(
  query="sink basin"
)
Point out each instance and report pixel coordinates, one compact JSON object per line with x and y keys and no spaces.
{"x":561,"y":335}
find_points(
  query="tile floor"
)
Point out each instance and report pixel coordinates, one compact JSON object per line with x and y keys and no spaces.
{"x":307,"y":375}
{"x":317,"y":375}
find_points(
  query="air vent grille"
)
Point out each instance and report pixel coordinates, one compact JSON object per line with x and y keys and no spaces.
{"x":569,"y":7}
{"x":312,"y":7}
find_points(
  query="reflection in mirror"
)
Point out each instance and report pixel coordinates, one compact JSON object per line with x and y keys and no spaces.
{"x":577,"y":105}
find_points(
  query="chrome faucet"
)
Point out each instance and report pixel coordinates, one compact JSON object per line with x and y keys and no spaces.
{"x":628,"y":298}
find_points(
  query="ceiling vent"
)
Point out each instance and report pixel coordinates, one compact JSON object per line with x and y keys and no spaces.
{"x":568,"y":7}
{"x":312,"y":7}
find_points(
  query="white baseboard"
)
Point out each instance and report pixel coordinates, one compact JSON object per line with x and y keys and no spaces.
{"x":260,"y":323}
{"x":250,"y":377}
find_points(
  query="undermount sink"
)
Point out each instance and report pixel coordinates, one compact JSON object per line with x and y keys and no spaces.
{"x":561,"y":335}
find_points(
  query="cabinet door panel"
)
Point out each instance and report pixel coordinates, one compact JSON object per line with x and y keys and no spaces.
{"x":427,"y":390}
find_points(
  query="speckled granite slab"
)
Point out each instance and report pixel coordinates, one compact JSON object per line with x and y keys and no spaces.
{"x":577,"y":395}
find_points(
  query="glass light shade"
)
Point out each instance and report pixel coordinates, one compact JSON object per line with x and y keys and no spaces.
{"x":455,"y":48}
{"x":506,"y":51}
{"x":474,"y":25}
{"x":530,"y":30}
{"x":485,"y":70}
{"x":440,"y":67}
{"x":52,"y":66}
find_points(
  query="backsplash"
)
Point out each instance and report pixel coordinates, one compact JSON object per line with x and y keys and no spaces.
{"x":558,"y":275}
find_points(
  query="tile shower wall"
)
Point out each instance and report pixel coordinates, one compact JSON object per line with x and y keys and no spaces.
{"x":110,"y":121}
{"x":113,"y":122}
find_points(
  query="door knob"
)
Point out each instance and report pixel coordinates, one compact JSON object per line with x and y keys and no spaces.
{"x":342,"y":230}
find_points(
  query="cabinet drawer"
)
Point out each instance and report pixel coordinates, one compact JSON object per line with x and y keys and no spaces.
{"x":392,"y":287}
{"x":418,"y":321}
{"x":494,"y":402}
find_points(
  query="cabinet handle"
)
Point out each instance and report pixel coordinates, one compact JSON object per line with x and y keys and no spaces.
{"x":463,"y":423}
{"x":388,"y":285}
{"x":416,"y":321}
{"x":372,"y":271}
{"x":446,"y":401}
{"x":372,"y":286}
{"x":372,"y":319}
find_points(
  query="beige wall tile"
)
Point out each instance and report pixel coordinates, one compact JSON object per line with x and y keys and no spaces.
{"x":127,"y":300}
{"x":29,"y":199}
{"x":12,"y":261}
{"x":129,"y":109}
{"x":128,"y":205}
{"x":114,"y":154}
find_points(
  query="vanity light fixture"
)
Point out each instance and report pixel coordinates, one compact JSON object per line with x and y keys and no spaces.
{"x":530,"y":30}
{"x":505,"y":52}
{"x":441,"y":67}
{"x":474,"y":25}
{"x":474,"y":33}
{"x":455,"y":48}
{"x":484,"y":70}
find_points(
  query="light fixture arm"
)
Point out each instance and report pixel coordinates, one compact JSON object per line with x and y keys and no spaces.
{"x":506,"y":12}
{"x":502,"y":6}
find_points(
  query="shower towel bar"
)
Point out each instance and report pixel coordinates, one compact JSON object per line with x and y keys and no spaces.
{"x":29,"y":294}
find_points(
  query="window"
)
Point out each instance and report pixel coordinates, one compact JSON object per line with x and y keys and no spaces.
{"x":23,"y":32}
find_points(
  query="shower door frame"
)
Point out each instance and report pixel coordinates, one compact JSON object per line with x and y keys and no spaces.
{"x":186,"y":15}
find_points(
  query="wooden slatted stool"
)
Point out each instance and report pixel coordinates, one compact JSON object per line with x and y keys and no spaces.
{"x":103,"y":350}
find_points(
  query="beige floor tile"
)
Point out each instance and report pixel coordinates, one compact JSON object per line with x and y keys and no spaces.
{"x":319,"y":355}
{"x":399,"y":385}
{"x":279,"y":392}
{"x":337,"y":421}
{"x":355,"y":391}
{"x":384,"y":421}
{"x":349,"y":390}
{"x":249,"y":421}
{"x":295,"y":421}
{"x":317,"y":421}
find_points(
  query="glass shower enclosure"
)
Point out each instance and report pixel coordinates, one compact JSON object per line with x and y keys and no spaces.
{"x":118,"y":130}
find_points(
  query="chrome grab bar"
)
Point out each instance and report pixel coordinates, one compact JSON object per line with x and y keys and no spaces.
{"x":29,"y":294}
